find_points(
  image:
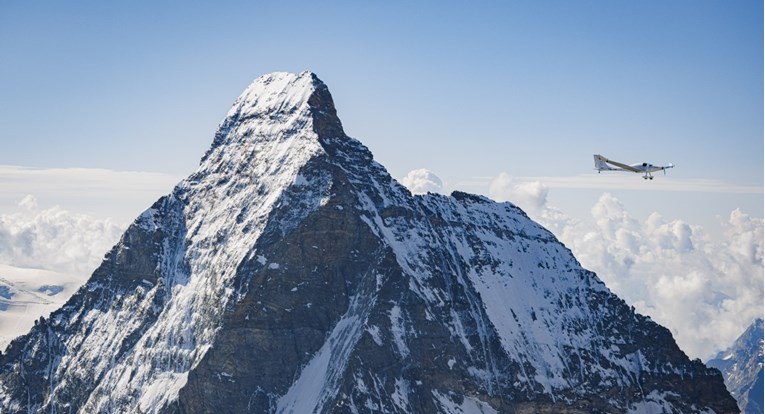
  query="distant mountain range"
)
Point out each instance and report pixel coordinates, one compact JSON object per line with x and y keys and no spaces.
{"x":741,"y":366}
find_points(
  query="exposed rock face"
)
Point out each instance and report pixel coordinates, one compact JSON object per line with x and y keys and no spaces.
{"x":741,"y":366}
{"x":291,"y":273}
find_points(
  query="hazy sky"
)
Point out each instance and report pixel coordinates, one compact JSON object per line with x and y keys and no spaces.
{"x":104,"y":105}
{"x":528,"y":88}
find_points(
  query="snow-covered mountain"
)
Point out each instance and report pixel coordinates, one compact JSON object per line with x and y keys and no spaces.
{"x":291,"y":273}
{"x":741,"y":366}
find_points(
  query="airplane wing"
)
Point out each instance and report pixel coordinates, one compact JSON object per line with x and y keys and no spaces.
{"x":620,"y":165}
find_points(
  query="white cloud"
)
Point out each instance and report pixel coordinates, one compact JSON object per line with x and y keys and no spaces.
{"x":529,"y":195}
{"x":54,"y":239}
{"x":121,"y":195}
{"x":29,"y":203}
{"x":422,"y":181}
{"x":630,"y":181}
{"x":705,"y":290}
{"x":45,"y":255}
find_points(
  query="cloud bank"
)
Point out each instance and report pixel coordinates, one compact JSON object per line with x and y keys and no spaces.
{"x":706,"y":291}
{"x":422,"y":181}
{"x":45,"y":255}
{"x":627,"y":181}
{"x":121,"y":195}
{"x":526,"y":195}
{"x":54,"y":239}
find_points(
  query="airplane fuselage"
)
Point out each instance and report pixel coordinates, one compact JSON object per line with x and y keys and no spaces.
{"x":604,"y":164}
{"x":646,"y":167}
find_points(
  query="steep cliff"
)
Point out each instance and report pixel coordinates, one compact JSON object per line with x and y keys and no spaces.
{"x":291,"y":273}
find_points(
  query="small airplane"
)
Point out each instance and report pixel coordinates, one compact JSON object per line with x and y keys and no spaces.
{"x":604,"y":164}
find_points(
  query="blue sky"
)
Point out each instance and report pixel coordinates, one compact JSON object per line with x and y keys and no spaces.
{"x":91,"y":91}
{"x":529,"y":80}
{"x":528,"y":88}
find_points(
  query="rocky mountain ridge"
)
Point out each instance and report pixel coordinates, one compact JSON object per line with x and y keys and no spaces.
{"x":291,"y":273}
{"x":741,"y":366}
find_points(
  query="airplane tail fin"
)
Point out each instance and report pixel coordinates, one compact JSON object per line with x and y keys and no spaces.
{"x":600,"y":163}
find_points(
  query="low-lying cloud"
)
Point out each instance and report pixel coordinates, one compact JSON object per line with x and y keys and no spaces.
{"x":54,"y":239}
{"x":121,"y":195}
{"x":526,"y":195}
{"x":422,"y":181}
{"x":705,"y":290}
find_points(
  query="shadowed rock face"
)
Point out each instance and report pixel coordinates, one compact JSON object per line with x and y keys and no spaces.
{"x":741,"y":367}
{"x":291,"y":273}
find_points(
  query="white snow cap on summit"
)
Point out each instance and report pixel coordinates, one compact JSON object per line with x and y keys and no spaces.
{"x":275,"y":92}
{"x":274,"y":107}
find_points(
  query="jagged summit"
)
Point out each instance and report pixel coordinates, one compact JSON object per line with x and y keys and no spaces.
{"x":291,"y":274}
{"x":276,"y":93}
{"x":276,"y":106}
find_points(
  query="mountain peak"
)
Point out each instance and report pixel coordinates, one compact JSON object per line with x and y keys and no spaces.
{"x":276,"y":93}
{"x":278,"y":105}
{"x":291,"y":273}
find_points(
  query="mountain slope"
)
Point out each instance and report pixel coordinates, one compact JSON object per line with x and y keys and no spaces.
{"x":291,"y":273}
{"x":741,"y":366}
